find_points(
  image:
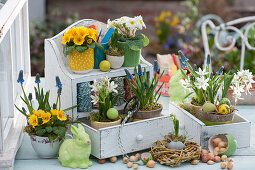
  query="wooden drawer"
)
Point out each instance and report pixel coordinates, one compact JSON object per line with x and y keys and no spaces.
{"x":200,"y":133}
{"x":135,"y":136}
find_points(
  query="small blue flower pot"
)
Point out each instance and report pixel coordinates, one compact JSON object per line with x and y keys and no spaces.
{"x":99,"y":55}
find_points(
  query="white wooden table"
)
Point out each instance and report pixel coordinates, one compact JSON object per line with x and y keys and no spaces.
{"x":244,"y":159}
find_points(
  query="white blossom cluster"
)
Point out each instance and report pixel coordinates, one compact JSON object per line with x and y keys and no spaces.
{"x":102,"y":87}
{"x":242,"y":82}
{"x":127,"y":26}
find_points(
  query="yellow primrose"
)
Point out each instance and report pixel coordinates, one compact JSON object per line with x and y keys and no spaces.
{"x":89,"y":41}
{"x":46,"y":117}
{"x":175,"y":21}
{"x":92,"y":32}
{"x":38,"y":113}
{"x":78,"y":40}
{"x":156,"y":19}
{"x":61,"y":115}
{"x":33,"y":120}
{"x":72,"y":32}
{"x":82,"y":31}
{"x":54,"y":112}
{"x":65,"y":39}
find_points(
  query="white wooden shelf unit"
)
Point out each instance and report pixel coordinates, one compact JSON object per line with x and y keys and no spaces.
{"x":56,"y":64}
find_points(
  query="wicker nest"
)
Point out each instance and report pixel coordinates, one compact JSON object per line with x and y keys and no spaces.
{"x":173,"y":157}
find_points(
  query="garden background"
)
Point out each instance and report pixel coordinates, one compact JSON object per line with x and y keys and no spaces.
{"x":171,"y":25}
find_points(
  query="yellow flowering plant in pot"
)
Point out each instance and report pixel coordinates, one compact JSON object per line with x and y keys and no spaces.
{"x":46,"y":124}
{"x":79,"y":44}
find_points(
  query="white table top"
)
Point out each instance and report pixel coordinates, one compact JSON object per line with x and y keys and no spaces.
{"x":244,"y":159}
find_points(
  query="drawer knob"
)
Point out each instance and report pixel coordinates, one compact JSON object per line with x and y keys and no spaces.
{"x":139,"y":137}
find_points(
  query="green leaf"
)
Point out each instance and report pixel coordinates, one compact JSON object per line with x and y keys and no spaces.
{"x":67,"y":50}
{"x":60,"y":131}
{"x":92,"y":45}
{"x":40,"y":132}
{"x":48,"y":129}
{"x":70,"y":108}
{"x":81,"y":49}
{"x":139,"y":36}
{"x":145,"y":41}
{"x":135,"y":44}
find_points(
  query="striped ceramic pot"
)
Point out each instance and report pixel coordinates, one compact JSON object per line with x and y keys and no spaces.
{"x":81,"y":62}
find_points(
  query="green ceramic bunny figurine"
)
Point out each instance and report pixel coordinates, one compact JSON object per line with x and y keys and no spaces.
{"x":75,"y":153}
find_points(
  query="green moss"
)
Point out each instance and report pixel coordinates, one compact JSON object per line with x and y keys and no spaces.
{"x":96,"y":117}
{"x":171,"y":137}
{"x":151,"y":106}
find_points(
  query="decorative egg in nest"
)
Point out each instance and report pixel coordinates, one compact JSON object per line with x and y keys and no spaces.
{"x":224,"y":143}
{"x":225,"y":101}
{"x":224,"y":109}
{"x":209,"y":107}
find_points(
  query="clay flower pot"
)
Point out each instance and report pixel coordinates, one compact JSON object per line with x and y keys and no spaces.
{"x":210,"y":119}
{"x":116,"y":61}
{"x":229,"y":139}
{"x":148,"y":114}
{"x":98,"y":125}
{"x":195,"y":110}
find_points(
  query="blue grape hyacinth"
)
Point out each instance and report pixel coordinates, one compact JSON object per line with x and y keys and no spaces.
{"x":37,"y":78}
{"x":140,"y":72}
{"x":20,"y":78}
{"x":220,"y":71}
{"x":129,"y":76}
{"x":156,"y":69}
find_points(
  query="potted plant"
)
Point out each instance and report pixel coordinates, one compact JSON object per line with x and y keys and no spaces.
{"x":144,"y":90}
{"x":46,"y":124}
{"x":174,"y":140}
{"x":129,"y":42}
{"x":107,"y":115}
{"x":114,"y":55}
{"x":215,"y":109}
{"x":79,"y":44}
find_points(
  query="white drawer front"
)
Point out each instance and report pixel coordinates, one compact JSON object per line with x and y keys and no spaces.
{"x":135,"y":136}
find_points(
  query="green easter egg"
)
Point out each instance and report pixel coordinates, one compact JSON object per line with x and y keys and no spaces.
{"x":225,"y":101}
{"x":209,"y":107}
{"x":112,"y":113}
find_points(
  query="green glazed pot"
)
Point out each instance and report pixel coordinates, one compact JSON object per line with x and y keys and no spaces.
{"x":131,"y":57}
{"x":229,"y":139}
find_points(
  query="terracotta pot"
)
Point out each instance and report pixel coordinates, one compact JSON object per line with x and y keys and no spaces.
{"x":98,"y":125}
{"x":195,"y":110}
{"x":148,"y":114}
{"x":210,"y":119}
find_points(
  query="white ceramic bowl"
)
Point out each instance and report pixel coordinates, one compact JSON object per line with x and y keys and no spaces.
{"x":116,"y":61}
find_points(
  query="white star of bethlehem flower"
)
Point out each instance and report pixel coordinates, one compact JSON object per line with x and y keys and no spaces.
{"x":202,"y":83}
{"x":201,"y":72}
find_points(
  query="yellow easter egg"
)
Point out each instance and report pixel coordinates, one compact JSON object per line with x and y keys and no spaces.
{"x":224,"y":109}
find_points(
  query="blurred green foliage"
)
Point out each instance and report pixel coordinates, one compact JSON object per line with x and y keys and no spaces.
{"x":53,"y":24}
